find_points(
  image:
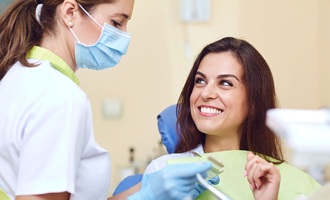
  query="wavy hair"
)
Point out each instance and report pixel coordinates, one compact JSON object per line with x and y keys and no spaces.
{"x":258,"y":80}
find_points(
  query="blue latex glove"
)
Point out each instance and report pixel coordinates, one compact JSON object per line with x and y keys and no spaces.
{"x":172,"y":182}
{"x":199,"y":189}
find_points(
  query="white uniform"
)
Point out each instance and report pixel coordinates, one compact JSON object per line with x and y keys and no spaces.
{"x":46,"y":136}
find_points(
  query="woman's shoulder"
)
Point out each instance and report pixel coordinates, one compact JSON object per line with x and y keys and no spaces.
{"x":295,"y":180}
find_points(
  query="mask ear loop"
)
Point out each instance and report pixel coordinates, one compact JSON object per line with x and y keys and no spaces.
{"x":90,"y":16}
{"x":74,"y":35}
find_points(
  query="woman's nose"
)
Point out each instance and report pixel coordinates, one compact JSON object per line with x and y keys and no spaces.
{"x":209,"y":92}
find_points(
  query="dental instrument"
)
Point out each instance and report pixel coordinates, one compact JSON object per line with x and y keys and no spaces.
{"x":217,"y":193}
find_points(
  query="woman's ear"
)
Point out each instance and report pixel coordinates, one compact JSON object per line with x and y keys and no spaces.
{"x":69,"y":10}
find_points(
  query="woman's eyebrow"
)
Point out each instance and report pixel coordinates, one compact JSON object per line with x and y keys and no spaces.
{"x":221,"y":76}
{"x":227,"y":75}
{"x":201,"y":74}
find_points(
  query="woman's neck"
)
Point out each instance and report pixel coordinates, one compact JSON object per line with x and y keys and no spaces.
{"x":215,"y":143}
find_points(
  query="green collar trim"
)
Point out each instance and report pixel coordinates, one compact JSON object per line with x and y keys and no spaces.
{"x":56,"y":62}
{"x":3,"y":195}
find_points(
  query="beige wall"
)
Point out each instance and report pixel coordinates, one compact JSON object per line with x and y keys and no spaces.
{"x":324,"y":42}
{"x":292,"y":35}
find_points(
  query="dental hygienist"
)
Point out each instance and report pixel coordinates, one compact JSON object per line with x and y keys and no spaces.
{"x":47,"y":146}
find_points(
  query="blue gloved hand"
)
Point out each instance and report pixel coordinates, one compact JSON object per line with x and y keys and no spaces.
{"x":172,"y":182}
{"x":199,"y":189}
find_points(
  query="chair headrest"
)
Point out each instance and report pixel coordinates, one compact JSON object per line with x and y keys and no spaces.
{"x":167,"y":120}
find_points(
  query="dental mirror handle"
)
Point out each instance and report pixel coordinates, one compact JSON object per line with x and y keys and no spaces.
{"x":212,"y":189}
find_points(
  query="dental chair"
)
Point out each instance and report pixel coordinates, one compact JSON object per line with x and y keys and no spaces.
{"x":166,"y":122}
{"x":167,"y":127}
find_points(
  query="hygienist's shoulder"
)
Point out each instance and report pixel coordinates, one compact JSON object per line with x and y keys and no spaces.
{"x":42,"y":78}
{"x":40,"y":87}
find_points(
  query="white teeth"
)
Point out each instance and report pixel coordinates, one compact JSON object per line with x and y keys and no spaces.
{"x":210,"y":110}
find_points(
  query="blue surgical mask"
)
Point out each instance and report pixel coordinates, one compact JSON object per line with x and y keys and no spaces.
{"x":106,"y":52}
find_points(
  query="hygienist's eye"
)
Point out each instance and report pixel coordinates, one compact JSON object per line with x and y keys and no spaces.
{"x":115,"y":23}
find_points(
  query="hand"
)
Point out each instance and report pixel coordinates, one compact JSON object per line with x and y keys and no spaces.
{"x":199,"y":189}
{"x":172,"y":182}
{"x":264,"y":178}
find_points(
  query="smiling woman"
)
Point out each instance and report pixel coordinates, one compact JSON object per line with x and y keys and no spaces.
{"x":218,"y":103}
{"x":238,"y":81}
{"x":222,"y":114}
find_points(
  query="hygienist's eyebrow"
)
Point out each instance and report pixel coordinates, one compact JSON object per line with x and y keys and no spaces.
{"x":222,"y":76}
{"x":124,"y":15}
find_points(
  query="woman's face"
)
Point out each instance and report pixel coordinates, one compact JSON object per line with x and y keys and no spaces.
{"x":218,"y":100}
{"x":116,"y":14}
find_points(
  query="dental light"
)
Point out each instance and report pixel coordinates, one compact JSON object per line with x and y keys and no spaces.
{"x":307,"y":135}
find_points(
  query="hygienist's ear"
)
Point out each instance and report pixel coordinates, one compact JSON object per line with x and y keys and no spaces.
{"x":69,"y":10}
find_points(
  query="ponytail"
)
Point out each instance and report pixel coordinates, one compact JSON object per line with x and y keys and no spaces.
{"x":20,"y":31}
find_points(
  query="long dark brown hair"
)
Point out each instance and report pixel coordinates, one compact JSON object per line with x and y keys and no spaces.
{"x":20,"y":30}
{"x":258,"y":80}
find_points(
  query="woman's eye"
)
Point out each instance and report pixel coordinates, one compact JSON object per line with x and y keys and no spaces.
{"x":199,"y":81}
{"x":226,"y":83}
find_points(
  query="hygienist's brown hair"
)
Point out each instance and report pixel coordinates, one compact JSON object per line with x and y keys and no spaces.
{"x":20,"y":30}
